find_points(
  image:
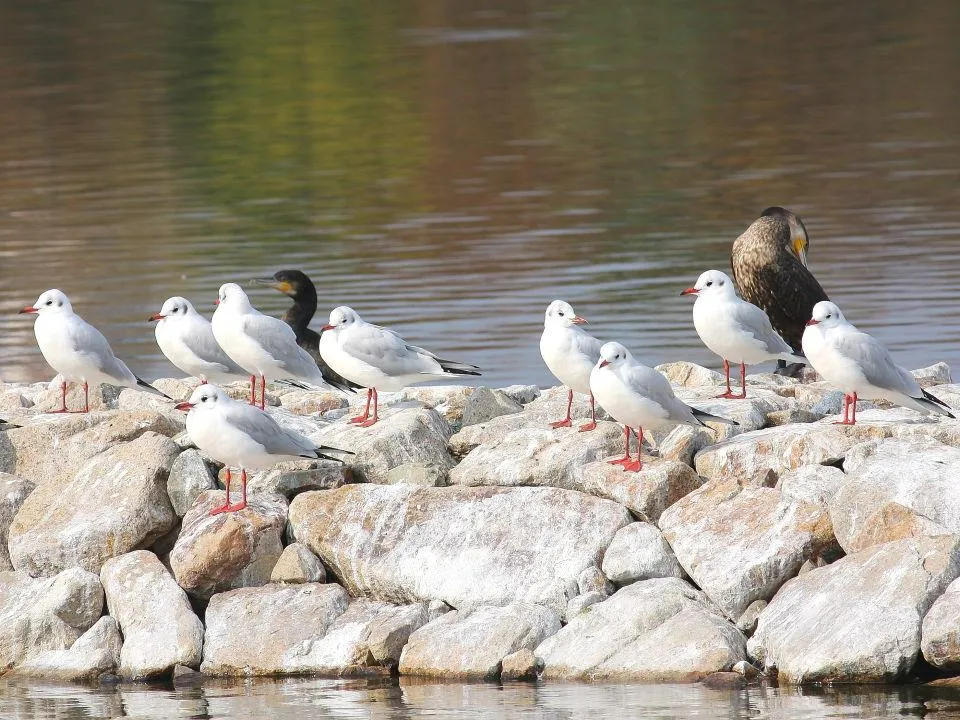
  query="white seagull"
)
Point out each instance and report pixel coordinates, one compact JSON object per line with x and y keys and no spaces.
{"x":186,"y":338}
{"x":77,"y":350}
{"x":570,"y":354}
{"x":263,"y":346}
{"x":860,"y":366}
{"x":241,"y":435}
{"x":379,"y":359}
{"x":639,"y":397}
{"x":734,"y":329}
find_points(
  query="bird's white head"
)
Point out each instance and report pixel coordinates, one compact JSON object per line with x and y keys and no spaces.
{"x":51,"y":302}
{"x":204,"y":399}
{"x":233,"y":296}
{"x":175,"y":308}
{"x":561,"y":314}
{"x":612,"y":355}
{"x":826,"y":314}
{"x":712,"y":283}
{"x":341,"y":317}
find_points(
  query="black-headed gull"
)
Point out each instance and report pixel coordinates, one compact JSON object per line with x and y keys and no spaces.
{"x":570,"y":354}
{"x":639,"y":397}
{"x":379,"y":359}
{"x":860,"y":366}
{"x":77,"y":350}
{"x":262,"y":345}
{"x":186,"y":338}
{"x":242,"y":435}
{"x":734,"y":329}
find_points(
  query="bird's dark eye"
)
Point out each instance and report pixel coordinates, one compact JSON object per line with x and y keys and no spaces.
{"x":710,"y":283}
{"x":560,"y":313}
{"x":203,"y":398}
{"x":828,"y":315}
{"x":49,"y":302}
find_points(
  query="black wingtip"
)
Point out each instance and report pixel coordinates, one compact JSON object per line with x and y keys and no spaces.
{"x":150,"y":388}
{"x":946,"y":409}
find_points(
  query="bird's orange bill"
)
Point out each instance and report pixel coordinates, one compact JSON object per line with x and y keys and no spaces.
{"x":604,"y":363}
{"x":811,"y":322}
{"x":326,"y":327}
{"x":183,"y":406}
{"x":155,"y":317}
{"x":28,"y":309}
{"x":577,"y":320}
{"x":689,"y":291}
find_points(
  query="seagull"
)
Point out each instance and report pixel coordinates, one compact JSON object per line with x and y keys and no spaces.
{"x":860,"y":366}
{"x":379,"y":359}
{"x":77,"y":350}
{"x":734,"y":329}
{"x":769,"y":262}
{"x":639,"y":397}
{"x":296,"y":285}
{"x":241,"y":435}
{"x":186,"y":338}
{"x":263,"y":346}
{"x":570,"y":354}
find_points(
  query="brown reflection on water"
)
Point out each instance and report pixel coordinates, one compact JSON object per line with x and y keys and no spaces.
{"x":450,"y":167}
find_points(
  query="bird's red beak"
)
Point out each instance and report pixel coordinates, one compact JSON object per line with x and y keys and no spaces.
{"x":577,"y":320}
{"x":812,"y":322}
{"x":28,"y":309}
{"x":604,"y":363}
{"x":326,"y":327}
{"x":217,"y":301}
{"x":689,"y":291}
{"x":183,"y":406}
{"x":155,"y":317}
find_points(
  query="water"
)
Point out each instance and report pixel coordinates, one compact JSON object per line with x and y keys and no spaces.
{"x":386,"y":700}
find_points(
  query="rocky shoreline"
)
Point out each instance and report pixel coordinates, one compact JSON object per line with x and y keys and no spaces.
{"x":468,"y":540}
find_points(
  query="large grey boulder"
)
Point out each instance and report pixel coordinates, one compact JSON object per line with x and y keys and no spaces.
{"x":639,"y":552}
{"x":659,"y":630}
{"x":647,"y":493}
{"x":95,"y":652}
{"x":465,"y":546}
{"x":741,"y":544}
{"x":815,"y":484}
{"x":116,"y":502}
{"x":940,"y":633}
{"x":190,"y":475}
{"x":268,"y":630}
{"x":859,"y":618}
{"x":159,"y":627}
{"x":471,"y":644}
{"x":13,"y":492}
{"x":297,"y":476}
{"x":214,"y":553}
{"x":298,"y":565}
{"x":37,"y":615}
{"x":485,"y":404}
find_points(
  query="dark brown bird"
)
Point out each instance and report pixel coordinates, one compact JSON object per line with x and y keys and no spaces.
{"x":769,"y":263}
{"x":296,"y":285}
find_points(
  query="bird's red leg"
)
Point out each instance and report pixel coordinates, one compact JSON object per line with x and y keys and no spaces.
{"x":566,"y":421}
{"x":376,"y":407}
{"x":253,"y":389}
{"x":243,"y":489}
{"x":86,"y":397}
{"x":263,"y":391}
{"x":592,"y":425}
{"x":848,"y":400}
{"x":366,"y":410}
{"x":853,"y":409}
{"x":635,"y":465}
{"x":63,"y":398}
{"x":626,"y":453}
{"x":226,"y":504}
{"x":743,"y":381}
{"x":729,"y":393}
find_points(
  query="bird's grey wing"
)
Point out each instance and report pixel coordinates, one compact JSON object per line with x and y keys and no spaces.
{"x":275,"y":336}
{"x":201,"y":342}
{"x":263,"y":429}
{"x":875,"y":362}
{"x":652,"y":385}
{"x":90,"y":342}
{"x":756,"y":323}
{"x":386,"y":350}
{"x":587,"y":345}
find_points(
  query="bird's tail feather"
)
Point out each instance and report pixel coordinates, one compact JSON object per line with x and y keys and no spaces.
{"x":323,"y":450}
{"x":458,"y":368}
{"x":141,"y":383}
{"x":935,"y":404}
{"x":701,"y":416}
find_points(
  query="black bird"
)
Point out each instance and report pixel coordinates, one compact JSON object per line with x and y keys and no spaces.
{"x":769,"y":262}
{"x":295,"y":284}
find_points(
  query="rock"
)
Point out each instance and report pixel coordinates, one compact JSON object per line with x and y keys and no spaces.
{"x":46,"y":613}
{"x":519,"y":665}
{"x":581,"y":603}
{"x":639,"y":552}
{"x":115,"y":503}
{"x":724,"y":681}
{"x":741,"y":544}
{"x":936,"y":374}
{"x":12,"y":400}
{"x":791,"y":416}
{"x":470,"y":644}
{"x":522,"y":394}
{"x":896,"y":489}
{"x":659,"y":630}
{"x":859,"y":618}
{"x":183,"y":675}
{"x":402,"y":436}
{"x":746,"y":669}
{"x":646,"y":493}
{"x":298,"y":565}
{"x":297,"y":476}
{"x":485,"y":404}
{"x":449,"y":401}
{"x":592,"y":579}
{"x":747,"y":623}
{"x":750,"y":413}
{"x":13,"y":492}
{"x":101,"y":397}
{"x":231,"y":550}
{"x":311,"y":402}
{"x":815,"y":484}
{"x":466,"y":546}
{"x":387,"y":636}
{"x":940,"y":632}
{"x":95,"y":652}
{"x":418,"y":474}
{"x":683,"y":443}
{"x":687,"y":374}
{"x":26,"y":451}
{"x":268,"y":630}
{"x":143,"y":598}
{"x":189,"y":476}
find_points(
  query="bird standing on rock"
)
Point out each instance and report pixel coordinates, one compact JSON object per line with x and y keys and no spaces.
{"x":570,"y":354}
{"x":860,"y":366}
{"x":735,"y":330}
{"x":241,"y":435}
{"x":297,"y":285}
{"x":639,"y":397}
{"x":77,"y":350}
{"x":378,"y":359}
{"x":769,"y":262}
